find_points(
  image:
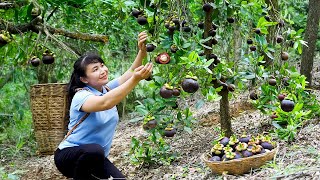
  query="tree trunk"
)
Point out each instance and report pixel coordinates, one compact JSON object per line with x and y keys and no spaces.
{"x":225,"y":120}
{"x":310,"y":37}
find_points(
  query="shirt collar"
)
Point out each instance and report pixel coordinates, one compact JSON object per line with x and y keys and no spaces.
{"x":96,"y":92}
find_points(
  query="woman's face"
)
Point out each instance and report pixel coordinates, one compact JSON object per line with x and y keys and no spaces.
{"x":97,"y":75}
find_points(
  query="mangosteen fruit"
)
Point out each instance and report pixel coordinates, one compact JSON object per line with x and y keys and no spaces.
{"x":281,"y":97}
{"x":35,"y":61}
{"x":175,"y":20}
{"x":3,"y":39}
{"x":253,"y":48}
{"x":163,"y":58}
{"x":284,"y":56}
{"x":212,"y":32}
{"x":186,"y":29}
{"x":213,"y":56}
{"x":287,"y":105}
{"x":272,"y":82}
{"x":224,"y":141}
{"x":253,"y":96}
{"x":267,"y":18}
{"x":166,"y":91}
{"x":47,"y":58}
{"x":173,"y":48}
{"x":214,"y":26}
{"x":169,"y":132}
{"x":190,"y":84}
{"x":152,"y":123}
{"x":207,"y":7}
{"x":257,"y":31}
{"x":136,"y":13}
{"x":249,"y":41}
{"x":150,"y":47}
{"x":231,"y":87}
{"x":176,"y":92}
{"x":214,"y":158}
{"x":262,"y":151}
{"x":149,"y":78}
{"x":214,"y":41}
{"x":142,"y":20}
{"x":285,"y":81}
{"x":201,"y":25}
{"x":244,"y":138}
{"x":279,"y":39}
{"x":238,"y":155}
{"x":267,"y":145}
{"x":246,"y":153}
{"x":230,"y":19}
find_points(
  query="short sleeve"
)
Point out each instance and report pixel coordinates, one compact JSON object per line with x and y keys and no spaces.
{"x":113,"y":84}
{"x":79,"y":98}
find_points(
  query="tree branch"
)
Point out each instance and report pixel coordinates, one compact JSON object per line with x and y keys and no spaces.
{"x":35,"y":26}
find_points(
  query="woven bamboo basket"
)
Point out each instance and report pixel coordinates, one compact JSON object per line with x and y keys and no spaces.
{"x":238,"y":166}
{"x":50,"y":114}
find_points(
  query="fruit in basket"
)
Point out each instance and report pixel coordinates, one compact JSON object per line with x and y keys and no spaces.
{"x":244,"y":138}
{"x":241,"y":147}
{"x":215,"y":158}
{"x":233,"y":140}
{"x":255,"y":149}
{"x":227,"y":149}
{"x":246,"y":153}
{"x":224,"y":141}
{"x":229,"y":156}
{"x":267,"y":145}
{"x":217,"y":150}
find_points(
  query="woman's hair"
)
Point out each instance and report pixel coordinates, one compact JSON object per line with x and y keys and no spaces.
{"x":79,"y":70}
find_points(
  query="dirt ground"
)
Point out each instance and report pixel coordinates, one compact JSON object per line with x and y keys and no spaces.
{"x":298,"y":160}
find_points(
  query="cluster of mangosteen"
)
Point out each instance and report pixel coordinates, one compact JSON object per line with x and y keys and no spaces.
{"x":4,"y":38}
{"x":150,"y":122}
{"x":140,"y":16}
{"x":225,"y":149}
{"x":47,"y":58}
{"x":174,"y":23}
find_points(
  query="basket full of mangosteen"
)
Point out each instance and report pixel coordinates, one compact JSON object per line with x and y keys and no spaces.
{"x":239,"y":155}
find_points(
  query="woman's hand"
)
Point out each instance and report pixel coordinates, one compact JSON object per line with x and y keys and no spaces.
{"x":142,"y":37}
{"x":143,"y":72}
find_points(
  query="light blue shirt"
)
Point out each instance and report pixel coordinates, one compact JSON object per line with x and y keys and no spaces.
{"x":99,"y":127}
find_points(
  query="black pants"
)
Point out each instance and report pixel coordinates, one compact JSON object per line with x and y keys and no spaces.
{"x":85,"y":162}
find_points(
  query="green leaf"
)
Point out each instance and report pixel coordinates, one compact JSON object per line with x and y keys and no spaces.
{"x":189,"y":130}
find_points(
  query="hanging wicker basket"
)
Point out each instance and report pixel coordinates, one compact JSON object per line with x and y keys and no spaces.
{"x":238,"y":166}
{"x":50,"y":114}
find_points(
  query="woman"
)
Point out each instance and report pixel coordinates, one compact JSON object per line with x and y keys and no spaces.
{"x":83,"y":153}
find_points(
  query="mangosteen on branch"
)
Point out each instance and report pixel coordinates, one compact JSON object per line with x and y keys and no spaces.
{"x":267,"y":18}
{"x":253,"y":48}
{"x":150,"y":47}
{"x":47,"y":57}
{"x":186,"y":29}
{"x":166,"y":91}
{"x":201,"y":25}
{"x":212,"y":32}
{"x":176,"y":92}
{"x":3,"y":40}
{"x":230,"y":19}
{"x":281,"y":97}
{"x":142,"y":20}
{"x":257,"y":31}
{"x":253,"y":96}
{"x":207,"y":7}
{"x":169,"y":132}
{"x":249,"y":41}
{"x":136,"y":13}
{"x":35,"y":61}
{"x":285,"y":81}
{"x":287,"y":105}
{"x":284,"y":56}
{"x":281,"y":23}
{"x":279,"y":39}
{"x":272,"y":82}
{"x":149,"y":123}
{"x":190,"y":84}
{"x":163,"y":58}
{"x":173,"y":48}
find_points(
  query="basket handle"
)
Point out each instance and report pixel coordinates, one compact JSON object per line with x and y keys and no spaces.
{"x":83,"y":117}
